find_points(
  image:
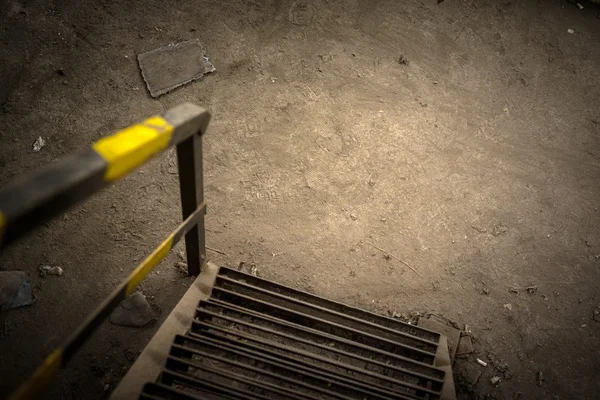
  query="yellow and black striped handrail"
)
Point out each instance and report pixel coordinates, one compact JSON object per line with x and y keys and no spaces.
{"x":30,"y":201}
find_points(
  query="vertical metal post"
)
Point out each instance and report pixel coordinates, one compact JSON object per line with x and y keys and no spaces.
{"x":191,"y":187}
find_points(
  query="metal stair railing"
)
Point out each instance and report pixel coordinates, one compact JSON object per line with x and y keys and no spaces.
{"x":34,"y":199}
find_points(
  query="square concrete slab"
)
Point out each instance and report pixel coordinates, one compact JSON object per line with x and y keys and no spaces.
{"x":451,"y":333}
{"x":465,"y":347}
{"x":174,"y":65}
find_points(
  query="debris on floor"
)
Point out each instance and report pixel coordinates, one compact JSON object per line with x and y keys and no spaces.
{"x":467,"y":330}
{"x":15,"y":290}
{"x":437,"y":324}
{"x":508,"y":306}
{"x":478,"y":229}
{"x":134,"y":311}
{"x":571,"y":31}
{"x":216,"y":251}
{"x":181,"y":267}
{"x":497,"y":362}
{"x":531,"y":289}
{"x":539,"y":378}
{"x":495,"y":380}
{"x":481,"y":362}
{"x":403,"y":60}
{"x":499,"y":230}
{"x":499,"y":365}
{"x":49,"y":270}
{"x":254,"y":270}
{"x":38,"y":144}
{"x":174,"y":65}
{"x":395,"y":257}
{"x":410,"y":318}
{"x":301,"y":13}
{"x":596,"y":314}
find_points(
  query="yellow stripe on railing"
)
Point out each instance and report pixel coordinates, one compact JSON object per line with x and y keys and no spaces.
{"x":148,"y":264}
{"x":131,"y":147}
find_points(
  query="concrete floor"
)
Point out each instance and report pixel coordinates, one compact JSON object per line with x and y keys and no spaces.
{"x":477,"y":163}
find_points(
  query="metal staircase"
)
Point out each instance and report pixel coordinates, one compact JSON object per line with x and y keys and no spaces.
{"x":255,"y":339}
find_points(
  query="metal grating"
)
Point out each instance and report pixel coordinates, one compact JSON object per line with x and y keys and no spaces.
{"x":254,"y":339}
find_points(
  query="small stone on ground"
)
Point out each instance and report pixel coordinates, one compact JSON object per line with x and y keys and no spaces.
{"x":134,"y":311}
{"x":596,"y":314}
{"x":49,"y":270}
{"x":38,"y":144}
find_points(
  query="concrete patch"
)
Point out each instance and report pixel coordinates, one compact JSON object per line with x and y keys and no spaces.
{"x":174,"y":65}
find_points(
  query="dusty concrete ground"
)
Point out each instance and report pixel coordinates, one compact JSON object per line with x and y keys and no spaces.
{"x":477,"y":163}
